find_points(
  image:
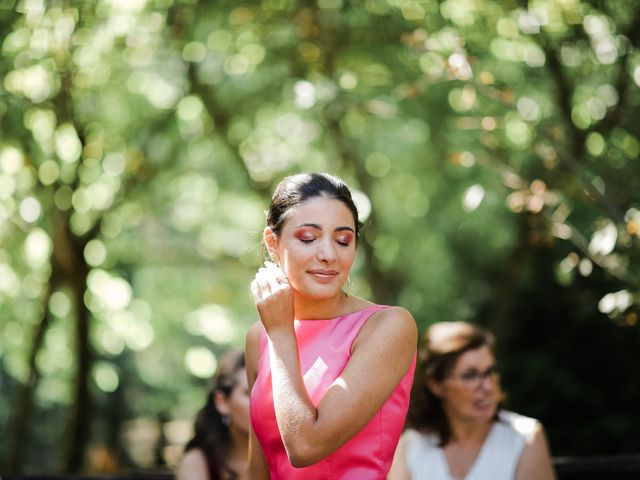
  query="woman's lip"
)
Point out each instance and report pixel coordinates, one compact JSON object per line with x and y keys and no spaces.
{"x":483,"y":404}
{"x":323,"y":276}
{"x":324,"y":273}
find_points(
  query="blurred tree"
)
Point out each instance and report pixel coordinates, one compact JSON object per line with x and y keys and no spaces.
{"x":492,"y":144}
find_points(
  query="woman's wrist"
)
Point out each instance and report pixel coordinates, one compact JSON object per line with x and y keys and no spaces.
{"x":281,"y":332}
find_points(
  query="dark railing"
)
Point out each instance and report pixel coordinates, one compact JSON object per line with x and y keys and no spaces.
{"x":618,"y":467}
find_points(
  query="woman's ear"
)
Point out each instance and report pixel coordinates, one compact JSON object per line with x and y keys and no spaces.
{"x":220,"y":402}
{"x":434,"y":386}
{"x":271,"y":242}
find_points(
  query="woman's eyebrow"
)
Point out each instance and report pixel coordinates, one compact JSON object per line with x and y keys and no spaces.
{"x":319,"y":227}
{"x":312,"y":225}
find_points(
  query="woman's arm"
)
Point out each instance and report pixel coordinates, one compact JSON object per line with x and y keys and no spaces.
{"x":257,"y":465}
{"x":382,"y":354}
{"x":399,"y":470}
{"x":535,"y":461}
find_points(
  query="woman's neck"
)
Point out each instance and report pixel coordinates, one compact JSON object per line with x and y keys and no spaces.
{"x":239,"y":447}
{"x":469,"y":432}
{"x":307,"y":309}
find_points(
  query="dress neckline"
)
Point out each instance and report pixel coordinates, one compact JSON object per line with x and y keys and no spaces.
{"x":339,"y":316}
{"x":476,"y":461}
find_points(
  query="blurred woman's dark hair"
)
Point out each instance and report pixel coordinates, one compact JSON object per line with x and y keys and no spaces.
{"x":211,"y":429}
{"x":442,"y":345}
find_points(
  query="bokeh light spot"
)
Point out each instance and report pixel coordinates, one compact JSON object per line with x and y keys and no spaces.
{"x":30,"y":209}
{"x":95,"y":253}
{"x":201,"y":362}
{"x":106,"y":377}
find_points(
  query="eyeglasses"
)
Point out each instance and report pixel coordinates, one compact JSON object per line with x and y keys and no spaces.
{"x":472,"y":379}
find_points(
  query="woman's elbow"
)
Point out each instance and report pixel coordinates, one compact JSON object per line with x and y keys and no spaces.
{"x":303,"y":455}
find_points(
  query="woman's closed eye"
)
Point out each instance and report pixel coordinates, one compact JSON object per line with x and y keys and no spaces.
{"x":305,"y":237}
{"x":344,"y":240}
{"x":341,"y":242}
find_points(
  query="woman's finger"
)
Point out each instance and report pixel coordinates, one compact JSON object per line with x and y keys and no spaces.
{"x":264,"y":286}
{"x":255,"y":290}
{"x":270,"y":278}
{"x":277,"y":272}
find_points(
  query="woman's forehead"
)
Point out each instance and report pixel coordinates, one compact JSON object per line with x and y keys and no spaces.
{"x":479,"y":358}
{"x":321,"y":211}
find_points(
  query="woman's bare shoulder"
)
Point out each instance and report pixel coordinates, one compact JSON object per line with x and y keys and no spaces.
{"x":252,"y":352}
{"x":253,"y":333}
{"x":193,"y":466}
{"x":400,"y":315}
{"x":396,"y":319}
{"x":392,"y":325}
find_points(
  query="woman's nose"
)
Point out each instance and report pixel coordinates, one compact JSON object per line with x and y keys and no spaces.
{"x":326,"y":251}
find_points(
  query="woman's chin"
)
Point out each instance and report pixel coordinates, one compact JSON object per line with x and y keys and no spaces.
{"x":318,"y":293}
{"x":485,"y":412}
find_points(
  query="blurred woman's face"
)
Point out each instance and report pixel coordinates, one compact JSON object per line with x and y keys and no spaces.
{"x":239,"y":403}
{"x":236,"y":405}
{"x":471,"y":392}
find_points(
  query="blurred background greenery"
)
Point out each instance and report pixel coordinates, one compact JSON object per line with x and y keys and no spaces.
{"x":493,"y":147}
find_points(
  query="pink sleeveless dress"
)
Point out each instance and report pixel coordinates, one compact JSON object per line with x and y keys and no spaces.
{"x":325,"y":348}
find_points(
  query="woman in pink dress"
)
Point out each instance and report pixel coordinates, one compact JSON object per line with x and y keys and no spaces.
{"x":330,"y":373}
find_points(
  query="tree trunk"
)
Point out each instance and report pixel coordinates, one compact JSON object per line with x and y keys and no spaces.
{"x":18,"y":438}
{"x":506,"y":290}
{"x":69,"y":255}
{"x":79,"y":418}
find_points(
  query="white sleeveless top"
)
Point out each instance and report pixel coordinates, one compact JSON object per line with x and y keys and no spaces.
{"x":497,"y":460}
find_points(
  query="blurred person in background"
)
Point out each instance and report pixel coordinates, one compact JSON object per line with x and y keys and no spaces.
{"x":219,"y":447}
{"x":458,"y":429}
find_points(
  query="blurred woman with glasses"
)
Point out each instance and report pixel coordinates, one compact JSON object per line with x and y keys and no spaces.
{"x":459,"y":431}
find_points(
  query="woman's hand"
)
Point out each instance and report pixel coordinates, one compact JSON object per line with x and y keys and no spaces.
{"x":273,"y":297}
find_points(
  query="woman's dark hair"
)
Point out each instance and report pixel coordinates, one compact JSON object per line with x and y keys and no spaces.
{"x":211,"y":433}
{"x":443,"y":344}
{"x":295,"y":189}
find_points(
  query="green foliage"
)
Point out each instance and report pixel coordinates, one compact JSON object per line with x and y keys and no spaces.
{"x":492,"y":145}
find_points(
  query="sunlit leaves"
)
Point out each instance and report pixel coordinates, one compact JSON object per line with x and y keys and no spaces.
{"x":529,"y":109}
{"x":615,"y":303}
{"x":200,"y":362}
{"x":473,"y":197}
{"x":599,"y":28}
{"x":518,"y":51}
{"x":60,"y":304}
{"x":11,"y":160}
{"x":9,"y":281}
{"x":212,"y":322}
{"x":517,"y":132}
{"x":595,"y":144}
{"x":159,"y":91}
{"x":95,"y":253}
{"x":604,"y":239}
{"x":106,"y":377}
{"x":157,"y":128}
{"x":37,"y":247}
{"x":109,"y":292}
{"x":37,"y":82}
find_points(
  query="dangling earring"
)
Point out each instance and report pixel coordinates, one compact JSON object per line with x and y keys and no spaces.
{"x":347,"y":286}
{"x":226,"y":420}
